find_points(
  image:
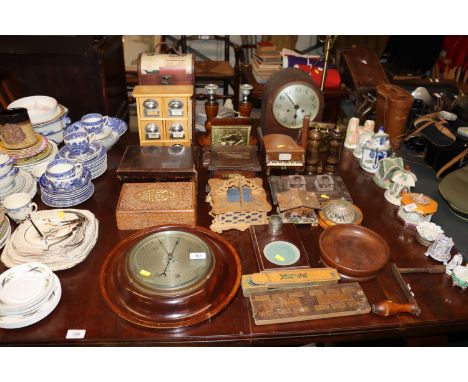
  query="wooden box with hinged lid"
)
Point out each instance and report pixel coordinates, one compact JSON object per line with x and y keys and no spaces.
{"x":143,"y":205}
{"x":156,"y":163}
{"x":228,"y":161}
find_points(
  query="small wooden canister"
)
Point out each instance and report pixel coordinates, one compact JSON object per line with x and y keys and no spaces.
{"x":16,"y":130}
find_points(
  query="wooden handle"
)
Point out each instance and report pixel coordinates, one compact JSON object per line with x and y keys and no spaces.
{"x":433,"y":269}
{"x":387,"y":308}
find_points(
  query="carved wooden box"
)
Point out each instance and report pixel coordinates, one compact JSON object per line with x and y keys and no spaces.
{"x":143,"y":205}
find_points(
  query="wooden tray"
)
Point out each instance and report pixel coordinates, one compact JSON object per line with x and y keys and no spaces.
{"x":310,"y":303}
{"x":261,"y":237}
{"x":358,"y":253}
{"x":149,"y":163}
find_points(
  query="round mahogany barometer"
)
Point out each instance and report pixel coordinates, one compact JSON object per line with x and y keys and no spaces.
{"x":170,"y":276}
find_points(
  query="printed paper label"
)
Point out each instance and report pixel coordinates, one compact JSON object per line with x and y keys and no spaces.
{"x":178,"y":134}
{"x":197,"y":255}
{"x":410,"y":207}
{"x":75,"y":334}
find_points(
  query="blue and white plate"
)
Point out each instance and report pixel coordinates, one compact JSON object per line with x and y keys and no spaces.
{"x":76,"y":193}
{"x":63,"y":203}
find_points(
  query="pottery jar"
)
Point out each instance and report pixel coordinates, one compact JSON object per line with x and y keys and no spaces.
{"x":16,"y":130}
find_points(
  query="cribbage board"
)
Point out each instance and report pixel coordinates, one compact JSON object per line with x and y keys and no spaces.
{"x":326,"y":186}
{"x":310,"y":303}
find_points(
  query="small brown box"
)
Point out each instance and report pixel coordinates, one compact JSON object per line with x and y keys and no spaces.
{"x":143,"y":205}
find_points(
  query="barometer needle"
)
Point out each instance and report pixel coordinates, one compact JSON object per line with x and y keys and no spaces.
{"x":170,"y":257}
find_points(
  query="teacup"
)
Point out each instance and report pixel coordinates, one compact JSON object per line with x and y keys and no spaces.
{"x":7,"y":179}
{"x":6,"y":164}
{"x":64,"y":173}
{"x":79,"y":141}
{"x":94,"y":123}
{"x":39,"y":169}
{"x":19,"y":206}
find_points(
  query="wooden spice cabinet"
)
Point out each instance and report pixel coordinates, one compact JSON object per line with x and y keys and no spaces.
{"x":162,"y":116}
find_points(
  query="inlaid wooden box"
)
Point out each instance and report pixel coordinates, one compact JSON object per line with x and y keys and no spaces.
{"x":143,"y":205}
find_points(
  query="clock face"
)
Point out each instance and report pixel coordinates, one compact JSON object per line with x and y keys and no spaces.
{"x":169,"y":262}
{"x":293,"y":103}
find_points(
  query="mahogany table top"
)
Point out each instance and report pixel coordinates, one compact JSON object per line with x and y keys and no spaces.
{"x":444,"y":309}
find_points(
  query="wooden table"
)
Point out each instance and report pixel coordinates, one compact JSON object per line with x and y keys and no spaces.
{"x":444,"y":309}
{"x":332,"y":96}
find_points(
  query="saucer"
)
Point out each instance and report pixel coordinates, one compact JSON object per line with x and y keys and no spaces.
{"x":106,"y":131}
{"x":93,"y":151}
{"x":47,"y":186}
{"x":23,"y":182}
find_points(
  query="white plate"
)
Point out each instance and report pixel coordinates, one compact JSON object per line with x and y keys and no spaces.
{"x":40,"y":108}
{"x":21,"y":321}
{"x":24,"y":285}
{"x":57,"y":257}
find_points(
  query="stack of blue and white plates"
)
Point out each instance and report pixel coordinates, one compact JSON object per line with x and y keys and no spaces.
{"x":69,"y":196}
{"x":95,"y":160}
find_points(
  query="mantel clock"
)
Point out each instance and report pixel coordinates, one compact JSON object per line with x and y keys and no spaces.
{"x":288,"y":97}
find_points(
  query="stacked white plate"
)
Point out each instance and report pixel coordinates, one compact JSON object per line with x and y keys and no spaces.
{"x":47,"y":116}
{"x":29,"y":165}
{"x":28,"y":293}
{"x":70,"y":236}
{"x":5,"y":230}
{"x":23,"y":182}
{"x":114,"y":129}
{"x":95,"y":160}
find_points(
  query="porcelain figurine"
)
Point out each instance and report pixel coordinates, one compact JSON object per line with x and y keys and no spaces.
{"x":460,"y":277}
{"x":440,"y":249}
{"x":369,"y":126}
{"x":455,"y":262}
{"x":375,"y":150}
{"x":352,"y":134}
{"x":427,"y":232}
{"x":402,"y":181}
{"x":387,"y":168}
{"x":416,"y":209}
{"x":364,"y":137}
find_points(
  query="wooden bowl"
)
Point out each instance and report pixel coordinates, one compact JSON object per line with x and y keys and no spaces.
{"x":358,"y":253}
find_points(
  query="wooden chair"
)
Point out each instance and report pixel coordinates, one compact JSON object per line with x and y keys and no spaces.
{"x":208,"y":71}
{"x":9,"y":90}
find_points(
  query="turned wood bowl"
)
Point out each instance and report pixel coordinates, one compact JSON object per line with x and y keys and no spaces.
{"x":357,"y":253}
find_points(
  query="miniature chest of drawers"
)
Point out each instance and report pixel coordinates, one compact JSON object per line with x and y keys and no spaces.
{"x":164,"y":114}
{"x":143,"y":205}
